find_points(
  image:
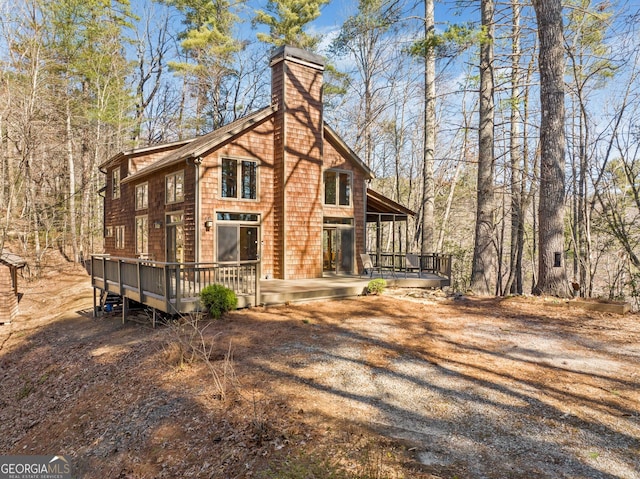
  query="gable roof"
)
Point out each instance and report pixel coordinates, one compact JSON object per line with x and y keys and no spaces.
{"x":195,"y":147}
{"x":200,"y":145}
{"x":342,"y":147}
{"x":143,"y":150}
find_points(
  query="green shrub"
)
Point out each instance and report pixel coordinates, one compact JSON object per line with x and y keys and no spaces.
{"x":376,"y":286}
{"x":218,"y":299}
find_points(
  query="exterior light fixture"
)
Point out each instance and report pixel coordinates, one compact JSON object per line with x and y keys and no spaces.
{"x":208,"y":224}
{"x":157,"y":224}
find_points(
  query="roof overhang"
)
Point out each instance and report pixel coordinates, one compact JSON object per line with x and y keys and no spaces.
{"x":203,"y":144}
{"x":142,"y":151}
{"x":381,"y":208}
{"x":12,"y":260}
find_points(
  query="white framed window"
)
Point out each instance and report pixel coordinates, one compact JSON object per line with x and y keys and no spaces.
{"x":119,"y":234}
{"x":108,"y":232}
{"x":239,"y":179}
{"x":174,"y":187}
{"x":115,"y":183}
{"x":142,"y":235}
{"x":142,"y":196}
{"x":337,"y":187}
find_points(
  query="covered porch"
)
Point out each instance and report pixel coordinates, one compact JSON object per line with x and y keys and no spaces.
{"x":388,"y":241}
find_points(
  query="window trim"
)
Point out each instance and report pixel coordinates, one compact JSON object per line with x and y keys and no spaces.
{"x":239,"y":178}
{"x":338,"y":173}
{"x":166,"y":190}
{"x":146,"y":196}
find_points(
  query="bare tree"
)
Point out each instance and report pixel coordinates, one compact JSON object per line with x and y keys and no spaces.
{"x":152,"y":46}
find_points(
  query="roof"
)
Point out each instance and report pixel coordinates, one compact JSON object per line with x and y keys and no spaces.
{"x":200,"y":145}
{"x":143,"y":150}
{"x":381,"y":207}
{"x":11,"y":259}
{"x":339,"y":143}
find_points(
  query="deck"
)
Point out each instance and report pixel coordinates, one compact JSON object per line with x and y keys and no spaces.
{"x":174,"y":288}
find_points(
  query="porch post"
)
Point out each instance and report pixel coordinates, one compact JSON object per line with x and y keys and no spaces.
{"x":94,"y":301}
{"x":257,"y":285}
{"x":393,"y":240}
{"x":378,"y":241}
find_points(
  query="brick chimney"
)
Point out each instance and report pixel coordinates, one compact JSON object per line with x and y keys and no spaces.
{"x":296,"y":88}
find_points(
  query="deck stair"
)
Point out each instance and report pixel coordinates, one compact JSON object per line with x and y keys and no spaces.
{"x":110,"y":302}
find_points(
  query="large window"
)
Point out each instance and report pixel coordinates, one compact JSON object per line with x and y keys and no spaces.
{"x":238,"y":237}
{"x":337,"y":188}
{"x":239,"y":179}
{"x":142,"y":235}
{"x":174,"y":187}
{"x":142,"y":196}
{"x":115,"y":183}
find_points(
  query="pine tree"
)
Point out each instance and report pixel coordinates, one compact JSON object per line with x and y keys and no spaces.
{"x":287,"y":19}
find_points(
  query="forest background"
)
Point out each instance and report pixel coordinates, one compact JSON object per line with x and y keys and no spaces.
{"x":441,"y":100}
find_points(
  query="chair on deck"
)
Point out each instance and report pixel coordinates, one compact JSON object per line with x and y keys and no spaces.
{"x":412,"y":263}
{"x":367,"y":265}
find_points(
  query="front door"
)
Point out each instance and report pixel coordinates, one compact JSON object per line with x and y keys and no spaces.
{"x":329,"y":249}
{"x":175,"y":238}
{"x":337,"y":249}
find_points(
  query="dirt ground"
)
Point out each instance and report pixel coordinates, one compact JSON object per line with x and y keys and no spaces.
{"x":404,"y":385}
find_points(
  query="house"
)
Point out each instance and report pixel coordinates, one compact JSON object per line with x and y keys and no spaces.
{"x":279,"y":185}
{"x":9,"y":265}
{"x":277,"y":191}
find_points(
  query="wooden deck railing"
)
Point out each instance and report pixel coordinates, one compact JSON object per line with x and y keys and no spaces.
{"x":436,"y":263}
{"x":173,"y":287}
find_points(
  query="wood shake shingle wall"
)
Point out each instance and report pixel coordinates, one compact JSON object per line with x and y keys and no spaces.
{"x":297,"y":89}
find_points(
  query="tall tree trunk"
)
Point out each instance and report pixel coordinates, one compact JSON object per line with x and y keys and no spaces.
{"x":514,"y":281}
{"x":483,"y":273}
{"x":72,"y":185}
{"x":428,"y":183}
{"x":551,"y":263}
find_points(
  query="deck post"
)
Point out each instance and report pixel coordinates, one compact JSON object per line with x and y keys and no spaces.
{"x":167,"y":288}
{"x":139,"y":282}
{"x":448,"y":268}
{"x":121,"y":291}
{"x":125,"y":308}
{"x":178,"y":291}
{"x":257,"y":285}
{"x":94,"y":298}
